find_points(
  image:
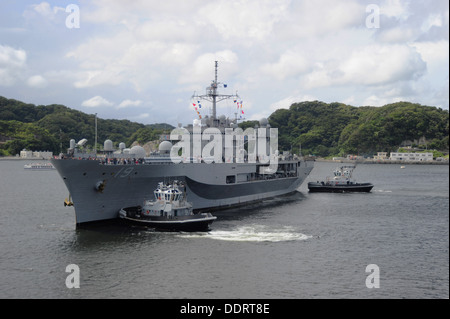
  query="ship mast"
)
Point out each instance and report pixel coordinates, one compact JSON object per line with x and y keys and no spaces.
{"x":212,"y":95}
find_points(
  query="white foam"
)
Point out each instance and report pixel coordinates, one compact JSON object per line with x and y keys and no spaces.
{"x":254,"y":233}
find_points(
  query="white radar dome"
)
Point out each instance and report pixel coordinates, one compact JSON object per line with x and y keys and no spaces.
{"x":137,"y":151}
{"x":108,"y":146}
{"x":165,"y":147}
{"x":263,"y":122}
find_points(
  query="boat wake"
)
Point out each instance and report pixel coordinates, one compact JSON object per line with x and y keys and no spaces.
{"x":254,"y":233}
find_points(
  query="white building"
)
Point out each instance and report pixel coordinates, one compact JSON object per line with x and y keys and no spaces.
{"x":37,"y":155}
{"x":412,"y":157}
{"x":380,"y":156}
{"x":43,"y":155}
{"x":26,"y":154}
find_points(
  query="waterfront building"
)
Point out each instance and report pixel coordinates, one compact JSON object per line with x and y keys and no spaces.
{"x":412,"y":157}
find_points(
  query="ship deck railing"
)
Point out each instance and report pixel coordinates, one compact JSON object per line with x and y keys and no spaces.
{"x":150,"y":161}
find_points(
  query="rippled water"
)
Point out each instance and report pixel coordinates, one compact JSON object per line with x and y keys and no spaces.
{"x":301,"y":246}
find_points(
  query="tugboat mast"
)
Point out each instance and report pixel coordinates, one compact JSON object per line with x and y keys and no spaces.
{"x":212,"y":94}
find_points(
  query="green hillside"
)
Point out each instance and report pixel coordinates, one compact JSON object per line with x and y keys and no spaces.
{"x":337,"y":129}
{"x":321,"y":129}
{"x":45,"y":127}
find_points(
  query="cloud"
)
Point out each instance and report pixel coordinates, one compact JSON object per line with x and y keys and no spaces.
{"x":200,"y":70}
{"x":12,"y":64}
{"x":128,"y":103}
{"x":383,"y":64}
{"x":289,"y":64}
{"x":287,"y":102}
{"x":395,"y":8}
{"x":37,"y":81}
{"x":244,"y":19}
{"x":309,"y":19}
{"x":43,"y":14}
{"x":434,"y":53}
{"x":371,"y":65}
{"x":126,"y":58}
{"x":96,"y":101}
{"x":139,"y":118}
{"x":399,"y":34}
{"x":273,"y":52}
{"x":45,"y":9}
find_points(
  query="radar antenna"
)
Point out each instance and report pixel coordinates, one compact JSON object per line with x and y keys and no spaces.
{"x":212,"y":95}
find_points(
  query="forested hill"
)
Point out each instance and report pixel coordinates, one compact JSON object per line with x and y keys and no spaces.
{"x":45,"y":127}
{"x":337,"y":129}
{"x":321,"y":129}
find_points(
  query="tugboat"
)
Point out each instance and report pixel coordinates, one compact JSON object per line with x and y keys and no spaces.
{"x":340,"y":183}
{"x":169,"y":211}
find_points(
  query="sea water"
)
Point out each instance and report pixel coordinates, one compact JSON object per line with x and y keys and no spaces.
{"x":306,"y":245}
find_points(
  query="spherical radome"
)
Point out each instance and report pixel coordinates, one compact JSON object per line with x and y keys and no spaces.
{"x":137,"y":151}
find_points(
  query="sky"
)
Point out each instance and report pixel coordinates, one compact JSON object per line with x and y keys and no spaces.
{"x":143,"y":60}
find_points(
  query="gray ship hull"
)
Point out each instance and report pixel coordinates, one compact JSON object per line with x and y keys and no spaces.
{"x":100,"y":191}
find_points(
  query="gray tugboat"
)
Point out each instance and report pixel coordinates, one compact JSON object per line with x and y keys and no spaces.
{"x":169,"y":211}
{"x":341,"y":182}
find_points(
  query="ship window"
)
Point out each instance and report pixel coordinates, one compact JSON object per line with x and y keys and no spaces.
{"x":231,"y":179}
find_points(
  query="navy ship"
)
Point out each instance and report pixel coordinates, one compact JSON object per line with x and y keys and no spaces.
{"x":220,"y":165}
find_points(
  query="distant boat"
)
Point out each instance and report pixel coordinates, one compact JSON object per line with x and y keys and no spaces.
{"x":403,"y":166}
{"x":170,"y":211}
{"x":39,"y":166}
{"x":341,"y":183}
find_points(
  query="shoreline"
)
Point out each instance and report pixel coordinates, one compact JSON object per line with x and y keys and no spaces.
{"x":14,"y":158}
{"x":382,"y":162}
